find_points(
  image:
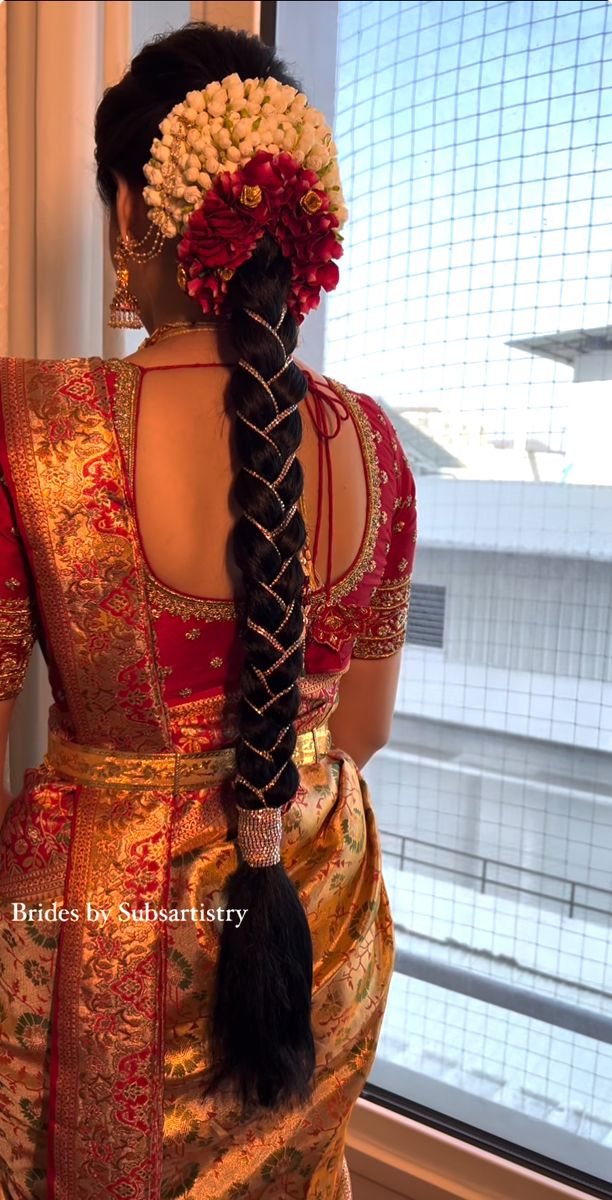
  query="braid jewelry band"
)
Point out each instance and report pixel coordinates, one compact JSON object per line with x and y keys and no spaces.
{"x":260,"y":832}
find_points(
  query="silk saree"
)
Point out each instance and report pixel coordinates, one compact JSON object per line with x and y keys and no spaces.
{"x":104,"y":1018}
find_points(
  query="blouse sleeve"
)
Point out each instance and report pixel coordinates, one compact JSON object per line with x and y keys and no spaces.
{"x":383,"y":626}
{"x":18,"y":627}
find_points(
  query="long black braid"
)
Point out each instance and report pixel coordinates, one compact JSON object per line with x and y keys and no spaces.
{"x":261,"y":1026}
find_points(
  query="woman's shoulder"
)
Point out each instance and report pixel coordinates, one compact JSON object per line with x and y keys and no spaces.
{"x":371,"y":412}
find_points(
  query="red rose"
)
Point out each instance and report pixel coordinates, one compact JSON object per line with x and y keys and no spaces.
{"x":223,"y":232}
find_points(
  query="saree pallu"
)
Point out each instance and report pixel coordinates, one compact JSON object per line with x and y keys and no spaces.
{"x":104,"y":1023}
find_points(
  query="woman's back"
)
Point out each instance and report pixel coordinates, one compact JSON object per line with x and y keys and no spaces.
{"x":184,"y":470}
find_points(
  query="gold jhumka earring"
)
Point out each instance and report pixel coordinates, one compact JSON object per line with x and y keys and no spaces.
{"x":124,"y":311}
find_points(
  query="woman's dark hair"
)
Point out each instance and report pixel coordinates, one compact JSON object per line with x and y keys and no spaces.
{"x":261,"y":1035}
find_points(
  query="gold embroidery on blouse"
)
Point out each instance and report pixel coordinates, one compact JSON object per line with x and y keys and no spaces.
{"x":217,"y":661}
{"x":390,"y":593}
{"x":12,"y":582}
{"x":192,"y":634}
{"x":15,"y":617}
{"x":12,"y":674}
{"x":178,"y":604}
{"x":384,"y":630}
{"x":186,"y":691}
{"x":17,"y":638}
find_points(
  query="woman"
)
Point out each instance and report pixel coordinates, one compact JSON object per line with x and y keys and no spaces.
{"x":196,"y":941}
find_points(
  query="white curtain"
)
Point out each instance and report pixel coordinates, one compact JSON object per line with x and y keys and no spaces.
{"x":55,"y":283}
{"x":237,"y":14}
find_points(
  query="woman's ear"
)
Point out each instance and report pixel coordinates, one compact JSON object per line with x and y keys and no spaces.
{"x":124,"y":208}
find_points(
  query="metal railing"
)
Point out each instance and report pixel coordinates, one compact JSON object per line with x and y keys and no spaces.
{"x":540,"y":1006}
{"x":483,"y":877}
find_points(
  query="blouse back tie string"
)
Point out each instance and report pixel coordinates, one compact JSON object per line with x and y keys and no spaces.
{"x":327,"y":413}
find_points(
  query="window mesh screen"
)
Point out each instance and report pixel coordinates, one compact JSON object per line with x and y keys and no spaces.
{"x":475,"y":141}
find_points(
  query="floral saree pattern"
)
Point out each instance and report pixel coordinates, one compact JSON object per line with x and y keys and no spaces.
{"x":104,"y":1020}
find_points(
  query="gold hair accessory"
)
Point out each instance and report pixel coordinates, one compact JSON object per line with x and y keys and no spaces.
{"x":250,"y":196}
{"x":139,"y":251}
{"x":225,"y":273}
{"x":266,"y":383}
{"x":260,"y":833}
{"x":182,"y":278}
{"x":311,"y":202}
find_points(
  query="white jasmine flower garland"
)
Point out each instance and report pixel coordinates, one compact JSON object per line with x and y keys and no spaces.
{"x":219,"y":130}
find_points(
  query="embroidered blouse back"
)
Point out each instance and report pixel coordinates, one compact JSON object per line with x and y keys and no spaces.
{"x":117,"y":483}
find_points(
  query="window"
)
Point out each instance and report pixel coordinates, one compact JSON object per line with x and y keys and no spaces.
{"x":475,"y":142}
{"x":426,"y":615}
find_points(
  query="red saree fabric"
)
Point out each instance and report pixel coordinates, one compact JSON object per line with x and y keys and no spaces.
{"x":103,"y":1025}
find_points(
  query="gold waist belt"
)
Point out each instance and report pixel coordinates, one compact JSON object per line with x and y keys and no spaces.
{"x":97,"y":765}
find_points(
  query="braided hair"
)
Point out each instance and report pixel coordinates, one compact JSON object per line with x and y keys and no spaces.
{"x":261,"y":1022}
{"x":261,"y":1038}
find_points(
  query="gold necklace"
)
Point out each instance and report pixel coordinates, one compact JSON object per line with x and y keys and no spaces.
{"x":174,"y":328}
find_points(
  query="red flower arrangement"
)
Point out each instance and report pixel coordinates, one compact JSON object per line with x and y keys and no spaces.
{"x":271,"y":194}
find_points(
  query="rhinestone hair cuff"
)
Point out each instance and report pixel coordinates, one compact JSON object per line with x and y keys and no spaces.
{"x":260,"y":832}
